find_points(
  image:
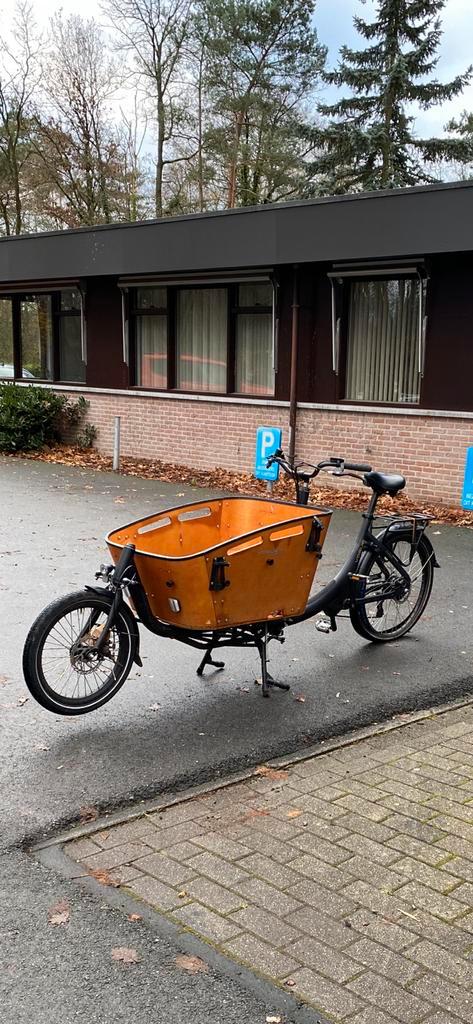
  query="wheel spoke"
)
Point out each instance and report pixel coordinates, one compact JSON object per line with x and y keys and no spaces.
{"x":71,"y":669}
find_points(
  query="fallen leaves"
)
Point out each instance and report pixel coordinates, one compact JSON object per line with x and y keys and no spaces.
{"x":88,"y":814}
{"x":299,"y":698}
{"x":240,"y":483}
{"x":294,"y":813}
{"x":191,"y":964}
{"x":290,"y":982}
{"x":273,"y":1019}
{"x":271,"y":773}
{"x":103,"y":877}
{"x":135,"y":917}
{"x":254,"y":812}
{"x":124,"y":955}
{"x":59,"y":914}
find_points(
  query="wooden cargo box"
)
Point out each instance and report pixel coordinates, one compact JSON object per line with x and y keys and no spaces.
{"x":227,"y":561}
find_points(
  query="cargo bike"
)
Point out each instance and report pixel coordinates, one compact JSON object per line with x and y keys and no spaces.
{"x":229,"y":572}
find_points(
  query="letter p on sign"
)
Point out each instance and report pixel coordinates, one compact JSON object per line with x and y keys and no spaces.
{"x":268,"y":439}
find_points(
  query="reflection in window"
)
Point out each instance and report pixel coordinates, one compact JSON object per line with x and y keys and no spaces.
{"x":6,"y":339}
{"x":254,"y":339}
{"x":71,"y":363}
{"x":202,"y":339}
{"x":36,"y":336}
{"x":383,"y":341}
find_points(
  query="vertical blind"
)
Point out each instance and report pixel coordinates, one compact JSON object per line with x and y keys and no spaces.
{"x":202,"y":315}
{"x":383,"y":341}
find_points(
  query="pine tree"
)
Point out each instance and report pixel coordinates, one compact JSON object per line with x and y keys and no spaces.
{"x":367,"y":141}
{"x":263,"y":63}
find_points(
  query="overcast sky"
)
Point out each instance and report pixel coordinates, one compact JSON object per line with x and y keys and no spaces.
{"x":334,"y":21}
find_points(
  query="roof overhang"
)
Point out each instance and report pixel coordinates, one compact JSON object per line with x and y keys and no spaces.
{"x":376,"y":225}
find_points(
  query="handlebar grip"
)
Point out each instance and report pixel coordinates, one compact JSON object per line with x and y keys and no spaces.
{"x":358,"y":467}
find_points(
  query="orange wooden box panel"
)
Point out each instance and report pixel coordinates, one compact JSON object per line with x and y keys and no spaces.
{"x":269,"y":571}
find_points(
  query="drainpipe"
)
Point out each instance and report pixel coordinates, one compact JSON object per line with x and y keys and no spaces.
{"x":294,"y":344}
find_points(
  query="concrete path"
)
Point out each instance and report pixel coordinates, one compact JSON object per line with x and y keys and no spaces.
{"x":53,"y":519}
{"x":345,"y":878}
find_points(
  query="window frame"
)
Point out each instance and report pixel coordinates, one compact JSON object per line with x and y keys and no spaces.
{"x":131,"y":311}
{"x":16,"y":297}
{"x":341,"y":281}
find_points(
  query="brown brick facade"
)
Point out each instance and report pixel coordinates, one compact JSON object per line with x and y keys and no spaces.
{"x":428,"y":449}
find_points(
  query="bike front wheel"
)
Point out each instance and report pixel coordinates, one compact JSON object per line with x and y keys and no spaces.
{"x":391,"y":606}
{"x":61,"y":669}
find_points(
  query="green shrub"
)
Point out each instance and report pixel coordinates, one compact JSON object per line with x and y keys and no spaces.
{"x":32,"y":417}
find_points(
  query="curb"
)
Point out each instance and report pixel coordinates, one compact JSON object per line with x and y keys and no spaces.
{"x":350,"y":739}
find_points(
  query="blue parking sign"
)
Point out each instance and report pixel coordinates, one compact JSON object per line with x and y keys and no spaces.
{"x":267,"y":440}
{"x":467,"y":496}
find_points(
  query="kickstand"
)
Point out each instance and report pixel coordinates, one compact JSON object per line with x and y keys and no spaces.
{"x":207,"y":660}
{"x":266,"y":679}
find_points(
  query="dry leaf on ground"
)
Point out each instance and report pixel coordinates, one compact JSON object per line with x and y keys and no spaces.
{"x":240,"y":483}
{"x":271,"y":773}
{"x":135,"y":917}
{"x":191,"y":964}
{"x":60,"y":913}
{"x":300,"y":698}
{"x":294,"y":813}
{"x":290,"y":982}
{"x":274,"y":1020}
{"x":3,"y":680}
{"x":103,"y":877}
{"x":125,"y":955}
{"x":88,"y":814}
{"x":255,"y":812}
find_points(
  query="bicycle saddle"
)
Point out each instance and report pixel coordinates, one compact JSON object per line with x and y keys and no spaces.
{"x":385,"y":483}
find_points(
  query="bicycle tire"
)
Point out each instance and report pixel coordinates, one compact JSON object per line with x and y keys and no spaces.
{"x":50,"y":619}
{"x":367,"y":619}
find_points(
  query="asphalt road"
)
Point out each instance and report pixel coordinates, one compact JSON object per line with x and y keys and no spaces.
{"x":52,"y":524}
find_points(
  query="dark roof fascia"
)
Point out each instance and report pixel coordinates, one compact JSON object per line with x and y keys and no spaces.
{"x":372,"y":225}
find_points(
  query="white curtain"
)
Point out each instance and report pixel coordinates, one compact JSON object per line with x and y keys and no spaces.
{"x":383,"y":341}
{"x":202,"y":339}
{"x":151,"y":351}
{"x":254,"y":352}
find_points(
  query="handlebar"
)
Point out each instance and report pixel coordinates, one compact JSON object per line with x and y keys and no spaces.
{"x":306,"y":471}
{"x":358,"y":467}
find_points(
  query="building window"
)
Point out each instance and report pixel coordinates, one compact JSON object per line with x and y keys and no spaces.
{"x":151,"y":334}
{"x":202,"y":339}
{"x":254,"y":373}
{"x":7,"y":368}
{"x":36,"y":329}
{"x":69,"y":319}
{"x":383,"y":325}
{"x":206,"y":339}
{"x":41,"y":336}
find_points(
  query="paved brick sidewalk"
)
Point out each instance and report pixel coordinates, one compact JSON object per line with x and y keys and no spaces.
{"x":346,"y":878}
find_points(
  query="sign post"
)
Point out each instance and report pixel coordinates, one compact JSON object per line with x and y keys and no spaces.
{"x":467,"y":496}
{"x":268,"y":439}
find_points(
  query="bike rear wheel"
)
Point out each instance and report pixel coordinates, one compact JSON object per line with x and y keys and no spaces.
{"x":61,"y":670}
{"x":383,"y":617}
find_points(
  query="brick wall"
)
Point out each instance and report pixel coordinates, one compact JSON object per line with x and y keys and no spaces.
{"x":428,"y":450}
